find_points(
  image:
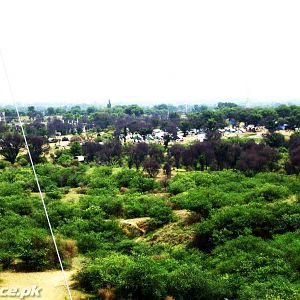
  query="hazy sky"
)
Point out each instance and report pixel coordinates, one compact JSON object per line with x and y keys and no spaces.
{"x":147,"y":52}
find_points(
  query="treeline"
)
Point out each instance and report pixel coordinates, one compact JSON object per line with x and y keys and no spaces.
{"x":274,"y":153}
{"x":166,"y":117}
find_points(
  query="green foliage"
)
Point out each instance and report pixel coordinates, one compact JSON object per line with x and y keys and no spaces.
{"x":124,"y":177}
{"x":11,"y":189}
{"x":246,"y":245}
{"x":65,"y":159}
{"x":180,"y":184}
{"x":143,"y":184}
{"x":32,"y":247}
{"x":148,"y":206}
{"x":111,"y":206}
{"x":75,"y":148}
{"x":4,"y":164}
{"x":260,"y":220}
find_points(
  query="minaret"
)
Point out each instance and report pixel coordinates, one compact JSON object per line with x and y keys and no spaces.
{"x":108,"y":104}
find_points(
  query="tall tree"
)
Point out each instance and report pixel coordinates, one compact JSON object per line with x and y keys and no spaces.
{"x":138,"y":154}
{"x":152,"y":167}
{"x":10,"y":145}
{"x":35,"y":144}
{"x":175,"y":152}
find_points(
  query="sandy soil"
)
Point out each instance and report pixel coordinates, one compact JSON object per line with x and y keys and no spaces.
{"x":51,"y":282}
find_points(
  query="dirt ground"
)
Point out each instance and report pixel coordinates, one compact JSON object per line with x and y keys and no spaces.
{"x":51,"y":282}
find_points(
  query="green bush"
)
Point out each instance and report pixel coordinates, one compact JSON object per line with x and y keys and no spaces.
{"x":189,"y":281}
{"x":124,"y":177}
{"x":11,"y":189}
{"x":143,"y":184}
{"x":275,"y":288}
{"x":3,"y":164}
{"x":112,"y":206}
{"x":268,"y":192}
{"x":148,"y":206}
{"x":32,"y":247}
{"x":260,"y":220}
{"x":104,"y":272}
{"x":180,"y":184}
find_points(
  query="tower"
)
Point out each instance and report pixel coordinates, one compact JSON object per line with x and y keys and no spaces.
{"x":108,"y":104}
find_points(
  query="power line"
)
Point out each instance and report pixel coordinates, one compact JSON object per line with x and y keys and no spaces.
{"x":35,"y":175}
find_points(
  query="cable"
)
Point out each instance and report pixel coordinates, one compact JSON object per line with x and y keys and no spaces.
{"x":35,"y":175}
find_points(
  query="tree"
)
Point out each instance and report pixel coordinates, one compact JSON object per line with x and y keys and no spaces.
{"x":226,"y":105}
{"x":175,"y":152}
{"x":275,"y":140}
{"x":50,"y":111}
{"x":35,"y":144}
{"x":188,"y":158}
{"x":185,"y":127}
{"x":75,"y":148}
{"x":37,"y":127}
{"x":167,"y":140}
{"x":101,"y":120}
{"x":57,"y":125}
{"x":3,"y":127}
{"x":138,"y":153}
{"x":10,"y":146}
{"x":134,"y":110}
{"x":90,"y":149}
{"x":167,"y":169}
{"x":293,"y":165}
{"x":257,"y":157}
{"x":156,"y":152}
{"x":31,"y":112}
{"x":152,"y":167}
{"x":91,"y":109}
{"x":295,"y":160}
{"x":110,"y":152}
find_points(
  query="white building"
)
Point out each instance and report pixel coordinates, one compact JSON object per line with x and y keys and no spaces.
{"x":2,"y":116}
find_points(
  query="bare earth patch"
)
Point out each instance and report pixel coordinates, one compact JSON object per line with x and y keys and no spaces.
{"x":51,"y":282}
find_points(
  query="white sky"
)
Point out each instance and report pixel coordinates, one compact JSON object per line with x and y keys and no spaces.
{"x":145,"y":52}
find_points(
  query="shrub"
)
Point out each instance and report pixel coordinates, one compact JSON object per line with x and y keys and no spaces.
{"x":124,"y":177}
{"x":275,"y":288}
{"x":180,"y":184}
{"x":197,"y":201}
{"x":33,"y":247}
{"x":104,"y":272}
{"x":268,"y":192}
{"x":4,"y":164}
{"x":110,"y":205}
{"x":144,"y":279}
{"x":10,"y":189}
{"x":65,"y":159}
{"x":142,"y":184}
{"x":189,"y":281}
{"x":55,"y":194}
{"x":148,"y":206}
{"x":259,"y":220}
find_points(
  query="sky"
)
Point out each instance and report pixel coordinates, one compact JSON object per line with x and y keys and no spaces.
{"x":148,"y":52}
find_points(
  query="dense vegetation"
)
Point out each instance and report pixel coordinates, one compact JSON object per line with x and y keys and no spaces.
{"x":217,"y":219}
{"x":244,"y":241}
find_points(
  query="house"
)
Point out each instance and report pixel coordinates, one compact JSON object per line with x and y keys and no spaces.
{"x":201,"y":137}
{"x":2,"y":116}
{"x":158,"y":134}
{"x":79,"y":158}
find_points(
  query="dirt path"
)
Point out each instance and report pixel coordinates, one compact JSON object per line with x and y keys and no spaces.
{"x":51,"y":282}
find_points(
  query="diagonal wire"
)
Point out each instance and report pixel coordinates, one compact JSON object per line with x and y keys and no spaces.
{"x":36,"y":178}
